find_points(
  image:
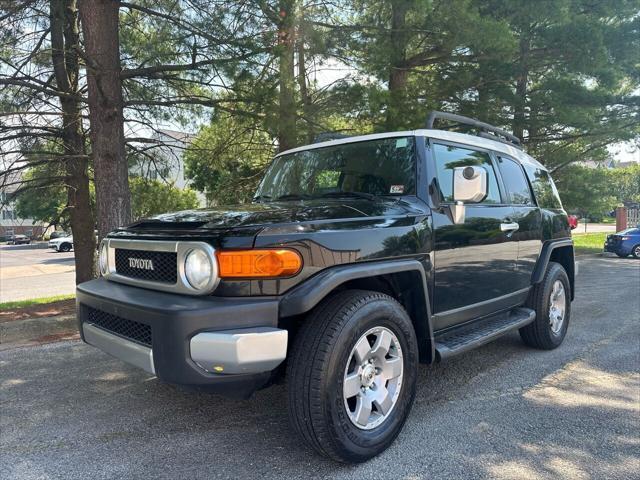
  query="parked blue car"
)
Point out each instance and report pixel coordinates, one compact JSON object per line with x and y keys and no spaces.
{"x":624,"y":243}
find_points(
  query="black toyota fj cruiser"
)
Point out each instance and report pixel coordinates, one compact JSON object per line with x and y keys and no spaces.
{"x":358,"y":259}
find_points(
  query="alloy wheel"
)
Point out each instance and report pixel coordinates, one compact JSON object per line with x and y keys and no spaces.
{"x":373,"y":378}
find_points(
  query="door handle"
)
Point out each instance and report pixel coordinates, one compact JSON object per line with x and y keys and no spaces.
{"x":509,"y":227}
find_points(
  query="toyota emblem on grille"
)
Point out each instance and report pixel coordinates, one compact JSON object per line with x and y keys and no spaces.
{"x":141,"y":263}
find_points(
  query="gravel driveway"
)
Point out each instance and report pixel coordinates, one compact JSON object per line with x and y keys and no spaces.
{"x":503,"y":411}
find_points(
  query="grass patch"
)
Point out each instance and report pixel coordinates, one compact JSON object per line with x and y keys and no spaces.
{"x":589,"y":242}
{"x":34,"y":301}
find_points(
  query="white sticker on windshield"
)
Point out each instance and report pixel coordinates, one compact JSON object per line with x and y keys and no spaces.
{"x":396,"y":189}
{"x":401,"y":142}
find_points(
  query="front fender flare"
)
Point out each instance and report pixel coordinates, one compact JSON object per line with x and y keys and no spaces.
{"x":306,"y":296}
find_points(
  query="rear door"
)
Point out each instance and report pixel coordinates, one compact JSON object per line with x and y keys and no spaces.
{"x":475,"y":262}
{"x":526,"y":215}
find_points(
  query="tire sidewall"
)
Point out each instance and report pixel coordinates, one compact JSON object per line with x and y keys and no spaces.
{"x":557,"y":273}
{"x":379,"y":313}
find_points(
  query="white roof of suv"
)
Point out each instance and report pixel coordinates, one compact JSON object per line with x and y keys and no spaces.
{"x":463,"y":138}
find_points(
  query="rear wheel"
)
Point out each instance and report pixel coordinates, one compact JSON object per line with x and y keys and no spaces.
{"x":551,"y":300}
{"x":352,"y":375}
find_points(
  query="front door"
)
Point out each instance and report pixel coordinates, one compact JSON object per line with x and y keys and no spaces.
{"x":475,"y":262}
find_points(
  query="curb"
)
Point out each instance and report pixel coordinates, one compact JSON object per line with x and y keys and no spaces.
{"x":30,"y":246}
{"x":37,"y":330}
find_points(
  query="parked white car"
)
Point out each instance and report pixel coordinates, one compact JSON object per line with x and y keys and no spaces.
{"x":61,"y":244}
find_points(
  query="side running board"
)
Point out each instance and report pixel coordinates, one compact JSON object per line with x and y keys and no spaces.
{"x":467,"y":337}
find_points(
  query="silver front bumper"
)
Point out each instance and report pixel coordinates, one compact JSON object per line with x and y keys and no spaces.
{"x":252,"y":350}
{"x":126,"y":350}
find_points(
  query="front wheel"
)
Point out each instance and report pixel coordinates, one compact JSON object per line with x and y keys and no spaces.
{"x":636,"y":251}
{"x":551,"y":300}
{"x":352,"y":375}
{"x":65,"y":247}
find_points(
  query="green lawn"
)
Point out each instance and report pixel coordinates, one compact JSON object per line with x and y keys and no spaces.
{"x":34,"y":301}
{"x":589,"y":242}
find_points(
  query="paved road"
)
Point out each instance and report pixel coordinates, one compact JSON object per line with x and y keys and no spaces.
{"x":503,"y":411}
{"x":33,"y":273}
{"x":596,"y":228}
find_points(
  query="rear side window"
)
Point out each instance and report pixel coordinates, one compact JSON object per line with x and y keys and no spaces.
{"x":515,"y":181}
{"x":543,"y":187}
{"x":448,"y":157}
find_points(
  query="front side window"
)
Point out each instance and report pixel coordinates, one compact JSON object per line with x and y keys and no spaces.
{"x":515,"y":181}
{"x":448,"y":157}
{"x":374,"y":167}
{"x":543,"y":187}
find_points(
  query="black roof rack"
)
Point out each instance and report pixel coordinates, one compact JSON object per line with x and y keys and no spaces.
{"x":326,"y":136}
{"x":484,"y":129}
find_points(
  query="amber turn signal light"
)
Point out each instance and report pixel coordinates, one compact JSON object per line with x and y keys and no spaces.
{"x":259,"y":263}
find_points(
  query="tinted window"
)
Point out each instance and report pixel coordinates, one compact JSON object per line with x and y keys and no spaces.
{"x":515,"y":181}
{"x":543,"y":187}
{"x":448,"y":158}
{"x":378,"y":167}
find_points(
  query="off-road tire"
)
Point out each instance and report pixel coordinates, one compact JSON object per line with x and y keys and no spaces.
{"x":316,"y":369}
{"x":539,"y":334}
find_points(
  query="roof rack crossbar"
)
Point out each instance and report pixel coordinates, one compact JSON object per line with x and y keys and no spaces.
{"x":486,"y":130}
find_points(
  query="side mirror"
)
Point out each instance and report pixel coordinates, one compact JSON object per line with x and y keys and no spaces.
{"x":469,"y":184}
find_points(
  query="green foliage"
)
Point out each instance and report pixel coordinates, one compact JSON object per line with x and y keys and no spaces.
{"x":594,"y":192}
{"x":227,"y":158}
{"x":151,"y":197}
{"x":46,"y":200}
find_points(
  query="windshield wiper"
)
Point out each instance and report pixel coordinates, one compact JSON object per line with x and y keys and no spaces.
{"x":293,"y":196}
{"x":368,"y":196}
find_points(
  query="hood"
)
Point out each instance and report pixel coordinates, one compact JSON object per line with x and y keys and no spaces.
{"x":263,"y":214}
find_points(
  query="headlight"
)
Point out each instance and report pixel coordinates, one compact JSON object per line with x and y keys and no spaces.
{"x":198,"y":269}
{"x":103,"y":260}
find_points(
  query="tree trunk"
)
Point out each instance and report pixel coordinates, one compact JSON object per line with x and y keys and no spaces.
{"x":287,"y":134}
{"x":520,"y":105}
{"x":304,"y":91}
{"x":100,"y":29}
{"x":63,"y":17}
{"x":398,"y":72}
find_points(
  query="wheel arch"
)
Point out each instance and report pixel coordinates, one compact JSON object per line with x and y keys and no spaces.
{"x":559,"y":251}
{"x":403,"y":280}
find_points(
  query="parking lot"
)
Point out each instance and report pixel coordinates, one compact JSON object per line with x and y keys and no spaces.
{"x":503,"y":411}
{"x":27,"y":273}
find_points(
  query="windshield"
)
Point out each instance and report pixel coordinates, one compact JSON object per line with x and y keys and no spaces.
{"x":374,"y":167}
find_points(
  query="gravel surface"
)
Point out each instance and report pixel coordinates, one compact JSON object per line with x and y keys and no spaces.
{"x":503,"y":411}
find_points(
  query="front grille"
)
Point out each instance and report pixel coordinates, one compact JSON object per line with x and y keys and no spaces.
{"x":134,"y":331}
{"x":164,"y":265}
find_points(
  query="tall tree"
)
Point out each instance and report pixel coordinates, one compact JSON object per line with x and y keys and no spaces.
{"x":65,"y":43}
{"x":100,"y":26}
{"x":287,"y":133}
{"x":42,"y":120}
